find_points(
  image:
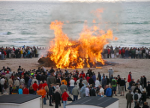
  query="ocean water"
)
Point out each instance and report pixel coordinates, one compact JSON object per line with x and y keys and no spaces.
{"x":27,"y":23}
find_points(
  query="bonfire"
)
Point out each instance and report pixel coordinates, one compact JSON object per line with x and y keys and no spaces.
{"x":84,"y":52}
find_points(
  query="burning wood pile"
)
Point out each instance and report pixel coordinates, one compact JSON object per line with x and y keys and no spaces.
{"x":81,"y":53}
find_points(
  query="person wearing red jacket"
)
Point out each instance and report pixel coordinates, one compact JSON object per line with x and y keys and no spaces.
{"x":87,"y":78}
{"x":35,"y":87}
{"x":82,"y":74}
{"x":25,"y":90}
{"x":44,"y":84}
{"x":129,"y":79}
{"x":65,"y":98}
{"x":40,"y":85}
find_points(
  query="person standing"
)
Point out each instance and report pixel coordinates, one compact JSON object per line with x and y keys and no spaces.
{"x":110,"y":72}
{"x":104,"y":82}
{"x":35,"y":87}
{"x":71,"y":85}
{"x":63,"y":87}
{"x":91,"y":81}
{"x":122,"y":86}
{"x":75,"y":93}
{"x":87,"y":91}
{"x":99,"y":76}
{"x":2,"y":81}
{"x":57,"y":98}
{"x":114,"y":85}
{"x":129,"y":98}
{"x":65,"y":98}
{"x":148,"y":89}
{"x":50,"y":94}
{"x":82,"y":91}
{"x":118,"y":83}
{"x":129,"y":80}
{"x":97,"y":82}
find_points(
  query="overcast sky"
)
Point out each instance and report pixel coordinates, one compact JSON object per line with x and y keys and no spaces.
{"x":76,"y":0}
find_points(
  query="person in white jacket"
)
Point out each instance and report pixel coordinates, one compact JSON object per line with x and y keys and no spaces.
{"x":97,"y":83}
{"x":33,"y":80}
{"x":2,"y":84}
{"x":71,"y":85}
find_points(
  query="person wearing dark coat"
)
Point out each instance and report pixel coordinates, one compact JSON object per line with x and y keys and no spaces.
{"x":145,"y":105}
{"x":50,"y":94}
{"x":43,"y":77}
{"x":91,"y":81}
{"x":104,"y":82}
{"x":107,"y":80}
{"x":136,"y":88}
{"x":145,"y":81}
{"x":92,"y":92}
{"x":57,"y":98}
{"x":38,"y":77}
{"x":52,"y":70}
{"x":148,"y":89}
{"x":137,"y":105}
{"x":143,"y":97}
{"x":99,"y":76}
{"x":129,"y":98}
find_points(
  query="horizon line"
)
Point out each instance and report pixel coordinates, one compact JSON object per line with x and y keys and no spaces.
{"x":86,"y":1}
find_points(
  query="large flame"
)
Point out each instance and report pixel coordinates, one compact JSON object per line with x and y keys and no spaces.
{"x":84,"y":52}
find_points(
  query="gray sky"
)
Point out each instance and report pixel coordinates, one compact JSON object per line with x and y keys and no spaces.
{"x":77,"y":0}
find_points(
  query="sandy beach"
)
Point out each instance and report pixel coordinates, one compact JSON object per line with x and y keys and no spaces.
{"x":138,"y":67}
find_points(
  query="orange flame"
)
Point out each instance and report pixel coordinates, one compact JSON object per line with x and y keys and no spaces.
{"x":79,"y":53}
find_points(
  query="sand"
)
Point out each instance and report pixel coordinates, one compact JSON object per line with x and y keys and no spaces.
{"x":138,"y":67}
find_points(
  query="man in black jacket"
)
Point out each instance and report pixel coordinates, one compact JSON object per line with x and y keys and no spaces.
{"x":148,"y":89}
{"x":50,"y":94}
{"x":57,"y":98}
{"x":91,"y":81}
{"x":122,"y":85}
{"x":145,"y":105}
{"x":92,"y":91}
{"x":118,"y":83}
{"x":38,"y":77}
{"x":99,"y":76}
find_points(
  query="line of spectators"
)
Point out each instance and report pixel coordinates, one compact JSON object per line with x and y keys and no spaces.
{"x":56,"y":82}
{"x":126,"y":52}
{"x":20,"y":52}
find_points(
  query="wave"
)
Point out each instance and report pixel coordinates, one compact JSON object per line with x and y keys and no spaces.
{"x":28,"y":33}
{"x":6,"y":33}
{"x":72,"y":22}
{"x":145,"y":22}
{"x":23,"y":41}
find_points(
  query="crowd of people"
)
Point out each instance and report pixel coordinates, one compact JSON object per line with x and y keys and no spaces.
{"x":20,"y":52}
{"x":60,"y":85}
{"x":108,"y":52}
{"x":126,"y":52}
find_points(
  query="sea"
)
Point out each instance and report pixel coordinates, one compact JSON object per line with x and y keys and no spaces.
{"x":28,"y":23}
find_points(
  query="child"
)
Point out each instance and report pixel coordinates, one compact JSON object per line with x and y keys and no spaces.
{"x":20,"y":91}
